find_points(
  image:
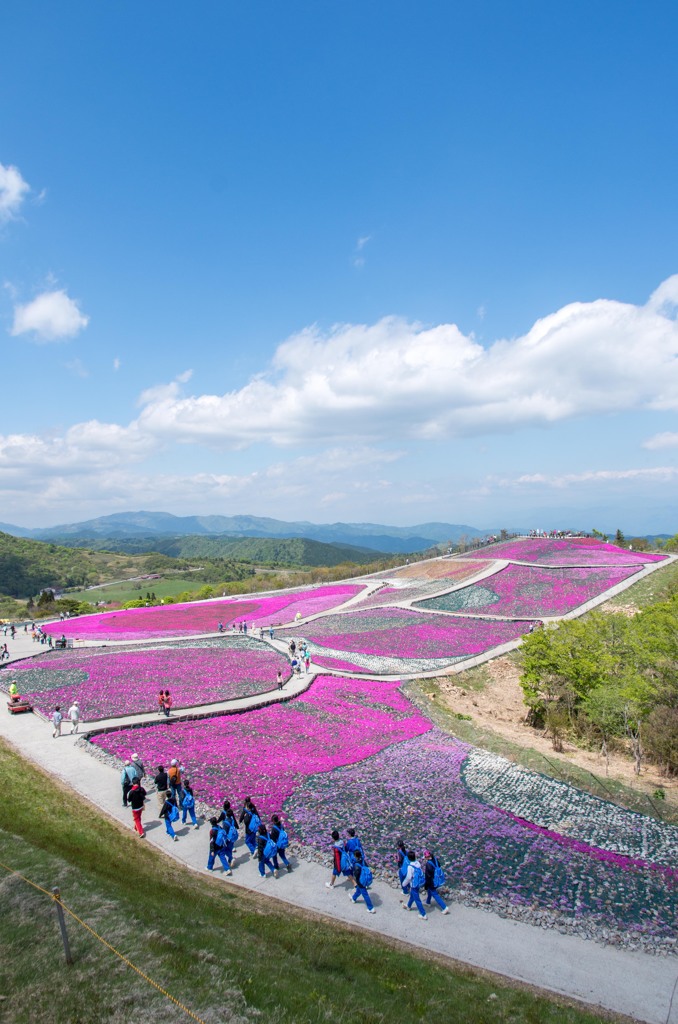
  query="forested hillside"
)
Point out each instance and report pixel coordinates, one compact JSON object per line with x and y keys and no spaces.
{"x":28,"y":566}
{"x":279,"y":551}
{"x":609,"y":679}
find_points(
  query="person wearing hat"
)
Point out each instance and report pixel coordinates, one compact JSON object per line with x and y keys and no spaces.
{"x":174,"y":774}
{"x":128,"y":777}
{"x":74,"y":716}
{"x":138,"y":766}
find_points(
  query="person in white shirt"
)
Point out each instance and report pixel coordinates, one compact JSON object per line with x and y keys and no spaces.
{"x":74,"y":716}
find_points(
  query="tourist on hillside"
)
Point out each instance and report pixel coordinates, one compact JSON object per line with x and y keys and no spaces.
{"x":161,"y":703}
{"x":128,"y":776}
{"x":168,"y":703}
{"x":362,"y":877}
{"x":265,"y":851}
{"x":57,"y":719}
{"x":227,"y":815}
{"x":136,"y":798}
{"x":433,"y":877}
{"x":280,"y":679}
{"x":403,"y":863}
{"x":162,"y":786}
{"x":170,"y":813}
{"x":281,"y":840}
{"x":218,"y":844}
{"x":270,"y":631}
{"x":220,"y":627}
{"x":249,"y":816}
{"x":188,"y":804}
{"x":337,"y":850}
{"x":307,"y":663}
{"x":138,"y":766}
{"x":413,"y":883}
{"x":74,"y":716}
{"x":353,"y":844}
{"x":174,"y":774}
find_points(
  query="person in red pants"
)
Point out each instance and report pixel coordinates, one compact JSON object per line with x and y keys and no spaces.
{"x":136,"y":799}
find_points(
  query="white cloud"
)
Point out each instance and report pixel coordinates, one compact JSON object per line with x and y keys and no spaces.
{"x":665,"y":440}
{"x":116,"y":363}
{"x":13,"y":190}
{"x":396,"y":379}
{"x":77,"y":368}
{"x":51,"y":316}
{"x":656,"y":474}
{"x":358,"y":258}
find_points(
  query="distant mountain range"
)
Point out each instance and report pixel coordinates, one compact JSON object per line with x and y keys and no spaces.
{"x":162,"y":525}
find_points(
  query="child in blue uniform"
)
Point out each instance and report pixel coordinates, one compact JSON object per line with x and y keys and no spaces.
{"x":360,"y":887}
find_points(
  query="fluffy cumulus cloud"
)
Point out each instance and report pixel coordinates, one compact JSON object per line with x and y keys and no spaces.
{"x":51,"y":316}
{"x":668,"y":439}
{"x":401,"y":379}
{"x":13,"y":191}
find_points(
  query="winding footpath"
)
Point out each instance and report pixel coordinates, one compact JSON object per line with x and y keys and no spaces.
{"x":640,"y":985}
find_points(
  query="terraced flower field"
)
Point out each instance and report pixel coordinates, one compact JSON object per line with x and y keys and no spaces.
{"x":388,"y":641}
{"x":571,"y":551}
{"x":267,"y":753}
{"x":204,"y":616}
{"x":120,"y":681}
{"x":416,"y":789}
{"x":528,"y":591}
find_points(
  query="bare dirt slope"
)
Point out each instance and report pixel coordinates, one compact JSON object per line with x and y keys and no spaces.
{"x":498,"y":706}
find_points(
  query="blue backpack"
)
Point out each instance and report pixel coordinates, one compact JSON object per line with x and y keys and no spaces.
{"x":347,"y":862}
{"x":417,"y":878}
{"x":173,"y":813}
{"x":283,"y":839}
{"x":438,"y":873}
{"x":232,"y":834}
{"x":188,"y":801}
{"x":254,"y":823}
{"x":365,"y":876}
{"x":270,"y":849}
{"x":220,"y":838}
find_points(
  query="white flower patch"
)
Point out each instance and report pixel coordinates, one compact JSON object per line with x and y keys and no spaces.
{"x":384,"y":665}
{"x":562,"y":808}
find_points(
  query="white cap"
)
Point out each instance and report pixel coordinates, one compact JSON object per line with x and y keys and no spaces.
{"x":173,"y":761}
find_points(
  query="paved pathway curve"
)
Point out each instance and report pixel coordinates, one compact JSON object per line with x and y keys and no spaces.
{"x":637,"y":984}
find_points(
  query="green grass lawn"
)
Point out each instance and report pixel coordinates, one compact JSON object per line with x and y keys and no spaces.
{"x":657,"y":586}
{"x":121,"y":592}
{"x":228,"y":955}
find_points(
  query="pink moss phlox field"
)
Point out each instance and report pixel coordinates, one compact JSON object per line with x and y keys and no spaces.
{"x":409,"y":634}
{"x":571,"y":551}
{"x":114,"y":682}
{"x":267,"y":753}
{"x":530,"y":591}
{"x":204,"y":616}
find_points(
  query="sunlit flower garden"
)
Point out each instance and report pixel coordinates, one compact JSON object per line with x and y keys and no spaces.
{"x":387,"y":641}
{"x":119,"y":681}
{"x":204,"y":616}
{"x":524,"y":590}
{"x":570,"y":551}
{"x":267,"y":753}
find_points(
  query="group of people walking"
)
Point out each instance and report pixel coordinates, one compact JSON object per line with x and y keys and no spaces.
{"x":349,"y":861}
{"x":268,"y":843}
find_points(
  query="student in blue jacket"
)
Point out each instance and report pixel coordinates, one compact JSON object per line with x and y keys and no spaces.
{"x":360,"y":887}
{"x":279,"y":837}
{"x":217,"y":850}
{"x":188,"y":804}
{"x":264,"y":853}
{"x":430,"y":865}
{"x":414,"y":881}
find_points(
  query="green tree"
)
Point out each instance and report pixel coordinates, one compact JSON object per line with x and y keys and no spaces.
{"x":619,"y":538}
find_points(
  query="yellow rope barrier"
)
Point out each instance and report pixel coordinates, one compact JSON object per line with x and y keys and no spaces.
{"x":104,"y":942}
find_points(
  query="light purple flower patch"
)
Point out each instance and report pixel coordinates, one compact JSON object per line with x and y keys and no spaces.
{"x":571,"y":551}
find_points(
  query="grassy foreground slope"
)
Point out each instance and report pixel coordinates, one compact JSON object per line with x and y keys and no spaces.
{"x":228,"y":955}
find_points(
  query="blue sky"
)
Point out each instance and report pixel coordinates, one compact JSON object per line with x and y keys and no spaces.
{"x":361,"y":261}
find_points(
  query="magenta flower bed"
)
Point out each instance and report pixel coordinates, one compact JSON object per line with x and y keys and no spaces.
{"x":358,"y":640}
{"x":267,"y":753}
{"x":571,"y":551}
{"x":114,"y":682}
{"x":526,"y":590}
{"x":204,"y":616}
